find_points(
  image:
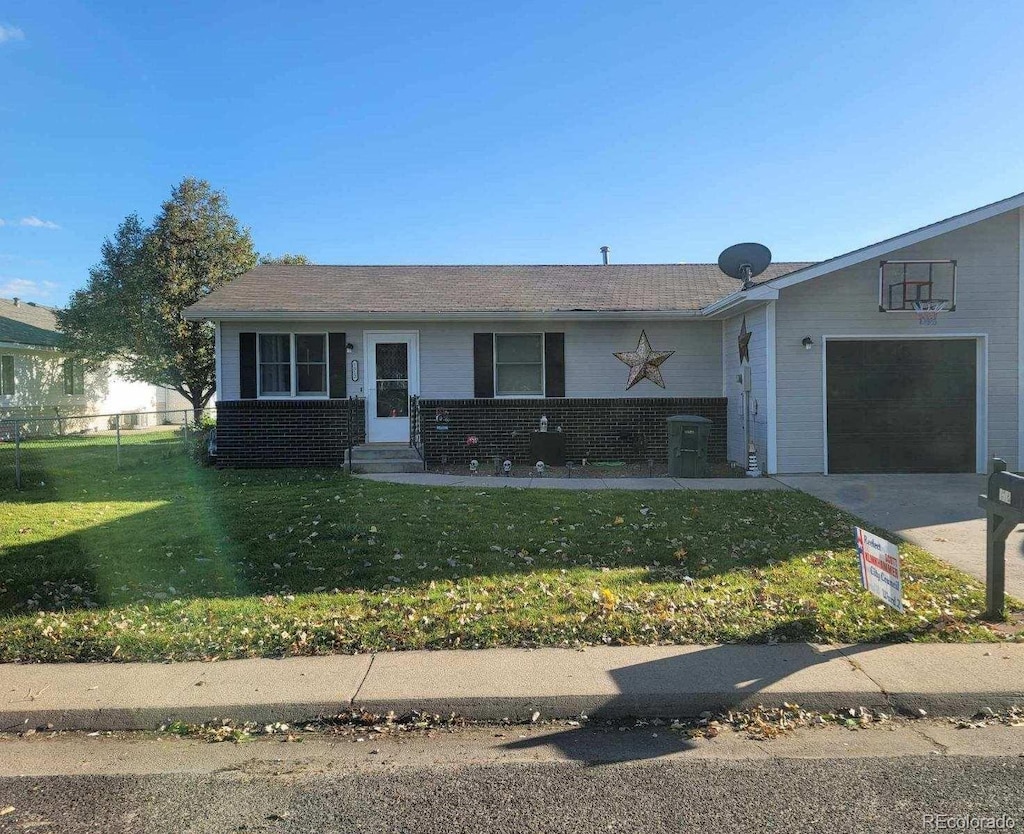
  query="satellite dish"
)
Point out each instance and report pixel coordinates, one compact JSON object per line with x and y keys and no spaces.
{"x":744,"y":261}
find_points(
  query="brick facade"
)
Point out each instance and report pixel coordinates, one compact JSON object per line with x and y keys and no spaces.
{"x":254,"y":433}
{"x":631,"y":429}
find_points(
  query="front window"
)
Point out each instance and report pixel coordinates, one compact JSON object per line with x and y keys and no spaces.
{"x":6,"y":375}
{"x":311,"y":363}
{"x":74,"y":377}
{"x":519,"y":364}
{"x":293,"y":364}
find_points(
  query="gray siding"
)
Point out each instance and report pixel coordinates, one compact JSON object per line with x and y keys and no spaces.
{"x":846,"y":303}
{"x":757,"y":327}
{"x":446,"y":354}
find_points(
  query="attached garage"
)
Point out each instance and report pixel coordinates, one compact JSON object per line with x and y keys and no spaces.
{"x":901,"y":405}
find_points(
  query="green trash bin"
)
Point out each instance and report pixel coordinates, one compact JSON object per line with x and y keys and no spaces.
{"x":688,"y":446}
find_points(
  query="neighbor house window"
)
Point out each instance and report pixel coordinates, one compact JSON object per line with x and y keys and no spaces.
{"x":74,"y":377}
{"x":293,"y":364}
{"x":6,"y":375}
{"x":519,"y":364}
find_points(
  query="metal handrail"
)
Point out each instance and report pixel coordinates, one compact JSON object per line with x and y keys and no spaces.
{"x":348,"y":432}
{"x":414,"y":424}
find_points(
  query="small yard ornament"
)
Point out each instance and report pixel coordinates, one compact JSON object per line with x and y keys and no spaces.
{"x":540,"y":468}
{"x":506,"y":467}
{"x":644,"y":362}
{"x":543,"y":423}
{"x":474,"y":465}
{"x":744,"y":341}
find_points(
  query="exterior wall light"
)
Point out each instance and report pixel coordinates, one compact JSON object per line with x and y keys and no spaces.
{"x":807,"y":341}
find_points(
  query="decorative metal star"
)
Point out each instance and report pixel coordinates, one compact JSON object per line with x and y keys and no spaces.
{"x":744,"y":341}
{"x":644,"y":363}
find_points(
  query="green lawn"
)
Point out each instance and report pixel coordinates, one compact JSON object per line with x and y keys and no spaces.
{"x":163,"y":559}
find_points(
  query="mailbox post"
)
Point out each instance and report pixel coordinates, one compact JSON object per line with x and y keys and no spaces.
{"x":1004,"y":509}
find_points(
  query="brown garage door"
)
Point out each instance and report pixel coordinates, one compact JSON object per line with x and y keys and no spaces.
{"x":901,"y":405}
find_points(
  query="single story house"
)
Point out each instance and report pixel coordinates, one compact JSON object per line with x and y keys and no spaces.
{"x":902,"y":356}
{"x":42,"y":387}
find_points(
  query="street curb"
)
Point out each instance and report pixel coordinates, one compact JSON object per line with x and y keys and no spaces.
{"x":514,"y":684}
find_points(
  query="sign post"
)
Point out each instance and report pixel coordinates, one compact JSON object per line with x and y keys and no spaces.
{"x":880,"y":568}
{"x":1004,"y":510}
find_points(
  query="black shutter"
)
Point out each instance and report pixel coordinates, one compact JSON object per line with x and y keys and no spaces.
{"x":554,"y":364}
{"x":483,"y":365}
{"x":247,"y":366}
{"x":338,"y":354}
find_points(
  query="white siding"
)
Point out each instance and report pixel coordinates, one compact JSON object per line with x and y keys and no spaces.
{"x":39,"y":389}
{"x":756,"y":326}
{"x":446,"y":354}
{"x":846,"y":303}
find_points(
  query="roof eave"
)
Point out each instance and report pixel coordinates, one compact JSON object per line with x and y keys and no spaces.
{"x":27,"y":346}
{"x":739,"y":302}
{"x":461,"y":315}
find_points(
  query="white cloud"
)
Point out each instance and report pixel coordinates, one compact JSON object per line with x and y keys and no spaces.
{"x":3,"y":222}
{"x":36,"y":223}
{"x":21,"y":287}
{"x":10,"y":33}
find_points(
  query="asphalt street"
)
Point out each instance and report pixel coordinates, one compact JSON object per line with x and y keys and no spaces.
{"x":510,"y":779}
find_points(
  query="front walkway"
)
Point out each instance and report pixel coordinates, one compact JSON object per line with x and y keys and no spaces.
{"x":493,"y":482}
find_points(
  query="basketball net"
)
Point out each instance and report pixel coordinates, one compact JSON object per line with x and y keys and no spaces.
{"x":928,"y":312}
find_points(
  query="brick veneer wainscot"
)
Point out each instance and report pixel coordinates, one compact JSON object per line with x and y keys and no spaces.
{"x":630,"y":429}
{"x":253,"y":433}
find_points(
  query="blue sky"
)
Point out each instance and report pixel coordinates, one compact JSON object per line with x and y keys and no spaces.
{"x":419,"y":132}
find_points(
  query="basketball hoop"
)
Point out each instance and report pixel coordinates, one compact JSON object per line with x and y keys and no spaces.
{"x":928,"y":312}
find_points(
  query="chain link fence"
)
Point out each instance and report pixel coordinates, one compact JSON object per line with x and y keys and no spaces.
{"x":33,"y":448}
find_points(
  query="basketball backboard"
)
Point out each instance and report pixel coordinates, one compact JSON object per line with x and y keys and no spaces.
{"x":913,"y":286}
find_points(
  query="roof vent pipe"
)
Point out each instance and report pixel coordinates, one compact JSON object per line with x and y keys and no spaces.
{"x":17,"y":300}
{"x":604,"y":254}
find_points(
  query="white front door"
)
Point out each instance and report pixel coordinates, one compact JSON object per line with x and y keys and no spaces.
{"x":392,"y":376}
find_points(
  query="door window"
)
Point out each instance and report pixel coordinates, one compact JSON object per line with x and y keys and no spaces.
{"x":392,"y":388}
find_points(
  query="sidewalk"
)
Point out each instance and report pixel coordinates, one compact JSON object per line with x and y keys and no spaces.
{"x":668,"y":681}
{"x":581,"y":483}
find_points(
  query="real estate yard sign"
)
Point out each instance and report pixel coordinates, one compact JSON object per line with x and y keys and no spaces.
{"x":880,"y":568}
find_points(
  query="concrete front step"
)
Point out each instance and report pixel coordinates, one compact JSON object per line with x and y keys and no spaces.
{"x":385,"y":458}
{"x":367,"y":467}
{"x":384,"y":451}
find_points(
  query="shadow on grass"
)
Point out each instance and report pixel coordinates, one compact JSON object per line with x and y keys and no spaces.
{"x":162,"y":527}
{"x":88,"y":535}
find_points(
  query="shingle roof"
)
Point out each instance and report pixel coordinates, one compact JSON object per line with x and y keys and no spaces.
{"x":280,"y":288}
{"x":28,"y":324}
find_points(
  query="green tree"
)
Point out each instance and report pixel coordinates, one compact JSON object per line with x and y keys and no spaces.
{"x":286,"y":258}
{"x":131,"y":309}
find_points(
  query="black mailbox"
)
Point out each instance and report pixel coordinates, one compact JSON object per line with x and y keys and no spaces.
{"x":1004,"y":510}
{"x":1007,"y":489}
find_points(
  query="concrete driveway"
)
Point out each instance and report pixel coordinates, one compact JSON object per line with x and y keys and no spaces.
{"x":937,"y":512}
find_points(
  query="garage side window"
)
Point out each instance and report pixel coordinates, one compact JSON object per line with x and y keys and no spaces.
{"x":7,"y":375}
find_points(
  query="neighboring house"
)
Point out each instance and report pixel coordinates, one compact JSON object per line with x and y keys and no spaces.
{"x":849,"y":368}
{"x":38,"y":382}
